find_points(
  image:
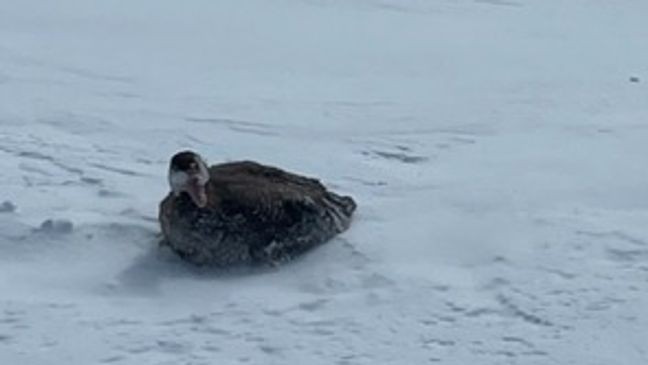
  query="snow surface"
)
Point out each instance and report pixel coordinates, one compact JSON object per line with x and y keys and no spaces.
{"x":497,"y":150}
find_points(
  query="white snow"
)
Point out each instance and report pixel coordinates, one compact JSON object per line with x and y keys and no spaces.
{"x":496,"y":148}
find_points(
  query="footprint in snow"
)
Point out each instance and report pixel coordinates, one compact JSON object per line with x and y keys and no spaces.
{"x":5,"y":338}
{"x":399,"y":156}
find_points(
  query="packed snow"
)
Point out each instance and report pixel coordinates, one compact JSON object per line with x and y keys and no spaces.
{"x":496,"y":149}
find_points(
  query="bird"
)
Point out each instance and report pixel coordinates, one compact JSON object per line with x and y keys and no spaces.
{"x":246,"y":213}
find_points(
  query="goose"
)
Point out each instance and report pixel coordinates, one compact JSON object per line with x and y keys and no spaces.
{"x":245,"y":212}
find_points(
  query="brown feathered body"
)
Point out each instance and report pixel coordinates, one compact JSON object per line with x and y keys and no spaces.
{"x":254,"y":214}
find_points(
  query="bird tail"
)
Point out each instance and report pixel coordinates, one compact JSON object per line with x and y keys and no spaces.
{"x":340,"y":209}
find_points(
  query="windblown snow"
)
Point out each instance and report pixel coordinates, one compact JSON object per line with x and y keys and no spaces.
{"x":496,"y":149}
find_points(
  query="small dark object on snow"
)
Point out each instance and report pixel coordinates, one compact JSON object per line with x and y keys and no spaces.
{"x":246,"y":213}
{"x":56,"y":226}
{"x":7,"y":207}
{"x":634,"y":79}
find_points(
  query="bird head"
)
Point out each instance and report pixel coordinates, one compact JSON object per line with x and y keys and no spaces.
{"x":188,"y":173}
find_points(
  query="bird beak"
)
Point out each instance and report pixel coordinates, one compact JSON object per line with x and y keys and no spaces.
{"x":197,"y":192}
